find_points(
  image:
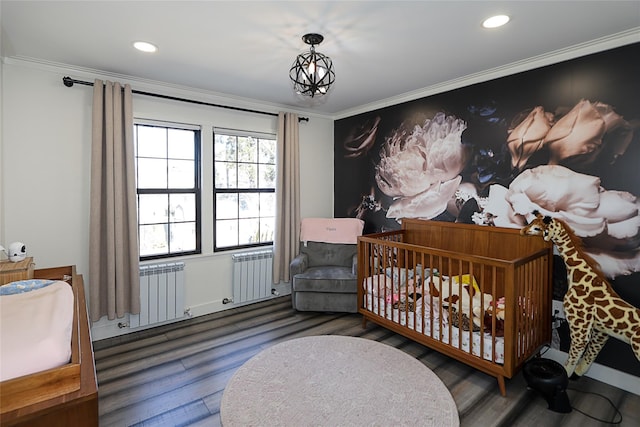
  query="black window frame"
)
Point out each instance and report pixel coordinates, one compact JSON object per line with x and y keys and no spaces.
{"x":216,"y":190}
{"x":196,"y":190}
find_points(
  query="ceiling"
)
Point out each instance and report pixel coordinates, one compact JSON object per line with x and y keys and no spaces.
{"x":381,"y":50}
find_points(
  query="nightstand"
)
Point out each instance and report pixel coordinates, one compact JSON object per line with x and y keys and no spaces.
{"x":14,"y":271}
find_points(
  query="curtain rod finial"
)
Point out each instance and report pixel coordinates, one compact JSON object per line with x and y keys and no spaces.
{"x":68,"y":81}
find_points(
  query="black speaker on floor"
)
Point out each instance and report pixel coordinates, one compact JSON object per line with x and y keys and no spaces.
{"x":549,"y":378}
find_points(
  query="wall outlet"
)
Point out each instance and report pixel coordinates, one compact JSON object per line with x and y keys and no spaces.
{"x":557,"y":313}
{"x":557,"y":310}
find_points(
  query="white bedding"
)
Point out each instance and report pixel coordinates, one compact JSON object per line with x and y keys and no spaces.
{"x":415,"y":322}
{"x":35,"y":330}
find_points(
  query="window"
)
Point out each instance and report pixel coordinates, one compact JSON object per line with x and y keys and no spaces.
{"x":168,"y":181}
{"x":244,"y":189}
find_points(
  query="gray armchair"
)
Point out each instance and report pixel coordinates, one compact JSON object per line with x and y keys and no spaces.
{"x":323,"y":275}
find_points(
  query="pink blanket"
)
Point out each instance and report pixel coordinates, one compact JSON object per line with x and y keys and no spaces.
{"x":331,"y":230}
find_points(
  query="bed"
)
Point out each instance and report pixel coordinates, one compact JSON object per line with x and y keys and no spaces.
{"x":479,"y":294}
{"x":64,"y":395}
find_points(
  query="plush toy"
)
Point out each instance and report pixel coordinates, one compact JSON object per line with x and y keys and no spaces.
{"x":493,"y":312}
{"x":467,"y":279}
{"x":465,"y":297}
{"x":499,"y":308}
{"x":450,"y":293}
{"x":409,"y":303}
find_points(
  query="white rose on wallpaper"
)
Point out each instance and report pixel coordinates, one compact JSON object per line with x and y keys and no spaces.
{"x":426,"y":205}
{"x":607,"y":220}
{"x":497,"y":211}
{"x":613,"y":264}
{"x":421,"y":169}
{"x":559,"y":192}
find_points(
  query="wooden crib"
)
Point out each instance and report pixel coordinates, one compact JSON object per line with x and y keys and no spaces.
{"x":479,"y":294}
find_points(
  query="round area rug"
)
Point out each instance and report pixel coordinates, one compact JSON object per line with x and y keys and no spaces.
{"x":334,"y":380}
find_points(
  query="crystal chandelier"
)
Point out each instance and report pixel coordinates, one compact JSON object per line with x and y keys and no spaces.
{"x":312,"y":72}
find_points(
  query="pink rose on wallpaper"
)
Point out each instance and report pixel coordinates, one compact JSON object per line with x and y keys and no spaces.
{"x":527,"y":136}
{"x":420,"y":169}
{"x":576,"y":138}
{"x":361,"y":139}
{"x":579,"y":134}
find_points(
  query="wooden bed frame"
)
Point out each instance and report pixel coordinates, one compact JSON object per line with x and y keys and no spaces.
{"x":64,"y":396}
{"x":504,"y":263}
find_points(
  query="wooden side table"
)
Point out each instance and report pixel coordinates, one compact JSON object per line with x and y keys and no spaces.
{"x":14,"y":271}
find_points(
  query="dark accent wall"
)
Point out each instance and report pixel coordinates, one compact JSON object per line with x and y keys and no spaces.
{"x":563,"y":139}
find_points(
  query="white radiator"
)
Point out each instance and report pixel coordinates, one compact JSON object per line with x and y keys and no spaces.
{"x":161,"y":294}
{"x":252,"y":275}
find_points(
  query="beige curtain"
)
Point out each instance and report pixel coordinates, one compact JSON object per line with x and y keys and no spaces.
{"x":114,"y":281}
{"x":287,"y":232}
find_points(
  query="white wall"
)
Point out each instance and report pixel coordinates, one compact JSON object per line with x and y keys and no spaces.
{"x":45,"y":160}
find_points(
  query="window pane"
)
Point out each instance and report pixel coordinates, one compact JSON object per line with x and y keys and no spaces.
{"x":247,"y":149}
{"x":267,"y":226}
{"x":153,"y":240}
{"x":267,"y":204}
{"x":267,"y":152}
{"x":226,"y":206}
{"x":181,"y":144}
{"x":249,"y":205}
{"x":247,"y":174}
{"x":152,"y":141}
{"x":225,"y":175}
{"x":225,"y":148}
{"x":249,"y":231}
{"x":181,"y":174}
{"x":183,"y":237}
{"x":152,"y":173}
{"x":182,"y":207}
{"x":226,"y":233}
{"x":152,"y":208}
{"x":267,"y":176}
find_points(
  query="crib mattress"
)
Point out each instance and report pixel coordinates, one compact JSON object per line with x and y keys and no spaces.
{"x":421,"y":321}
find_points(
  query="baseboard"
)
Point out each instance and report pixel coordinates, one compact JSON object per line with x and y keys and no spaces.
{"x":219,"y":305}
{"x":104,"y":328}
{"x":602,"y":373}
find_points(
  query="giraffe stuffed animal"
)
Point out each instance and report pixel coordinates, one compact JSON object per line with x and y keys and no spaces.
{"x":594,"y":310}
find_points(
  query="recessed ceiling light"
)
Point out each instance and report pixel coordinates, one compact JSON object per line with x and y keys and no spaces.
{"x":495,"y":21}
{"x":145,"y":47}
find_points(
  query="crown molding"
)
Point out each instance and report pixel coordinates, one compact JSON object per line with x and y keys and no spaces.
{"x":138,"y":83}
{"x":605,"y":43}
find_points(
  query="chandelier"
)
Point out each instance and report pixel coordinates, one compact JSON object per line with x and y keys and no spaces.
{"x":312,"y":72}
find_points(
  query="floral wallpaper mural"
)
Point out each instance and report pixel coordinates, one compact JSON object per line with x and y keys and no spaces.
{"x":562,"y":139}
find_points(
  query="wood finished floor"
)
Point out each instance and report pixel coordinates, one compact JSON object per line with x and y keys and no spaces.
{"x":175,"y":375}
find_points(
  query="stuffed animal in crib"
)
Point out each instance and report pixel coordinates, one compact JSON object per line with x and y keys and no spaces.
{"x":493,"y":313}
{"x":463,"y":297}
{"x":450,"y":293}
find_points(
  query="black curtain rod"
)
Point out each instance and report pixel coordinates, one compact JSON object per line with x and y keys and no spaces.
{"x":69,"y":82}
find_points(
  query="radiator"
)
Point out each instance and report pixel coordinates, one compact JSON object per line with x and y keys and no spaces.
{"x":161,"y":294}
{"x":252,"y":275}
